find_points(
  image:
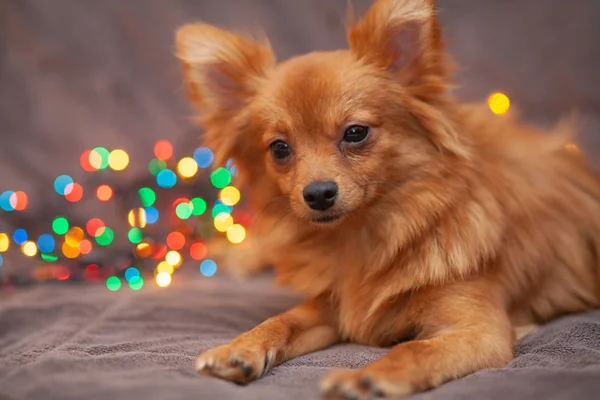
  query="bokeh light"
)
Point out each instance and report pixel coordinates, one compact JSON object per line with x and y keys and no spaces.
{"x":113,"y":283}
{"x":136,"y":283}
{"x":73,"y":192}
{"x":131,"y":273}
{"x":61,"y":183}
{"x":173,"y":258}
{"x":163,"y":150}
{"x":187,"y":167}
{"x":4,"y":242}
{"x":137,"y":218}
{"x":220,"y":208}
{"x":156,"y":165}
{"x":105,"y":236}
{"x":223,"y":221}
{"x":499,"y":103}
{"x":166,"y":179}
{"x":1,"y":260}
{"x":20,"y":236}
{"x":220,"y":178}
{"x":46,"y":243}
{"x":163,"y":279}
{"x":203,"y":157}
{"x":135,"y":235}
{"x":184,"y":210}
{"x":208,"y":268}
{"x":104,"y":193}
{"x":230,"y":195}
{"x":29,"y":249}
{"x":164,"y":266}
{"x":84,"y":161}
{"x":18,"y":201}
{"x":198,"y":206}
{"x":143,"y":250}
{"x":74,"y":236}
{"x":198,"y":251}
{"x":85,"y":247}
{"x":151,"y":215}
{"x":5,"y":201}
{"x":175,"y":240}
{"x":71,"y":252}
{"x":147,"y":196}
{"x":99,"y":158}
{"x":93,"y":226}
{"x":118,"y":159}
{"x":60,"y":225}
{"x":236,"y":234}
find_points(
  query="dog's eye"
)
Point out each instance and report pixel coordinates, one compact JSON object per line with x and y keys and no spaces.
{"x":356,"y":134}
{"x":280,"y":150}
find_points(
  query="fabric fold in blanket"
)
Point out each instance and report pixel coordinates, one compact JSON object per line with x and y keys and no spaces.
{"x":81,"y":341}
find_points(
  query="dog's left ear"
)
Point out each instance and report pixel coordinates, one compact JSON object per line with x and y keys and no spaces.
{"x":402,"y":37}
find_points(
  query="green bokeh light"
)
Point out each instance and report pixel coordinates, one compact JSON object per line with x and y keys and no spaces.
{"x":183,"y":210}
{"x":220,"y":178}
{"x":198,"y":206}
{"x":156,"y":165}
{"x":135,"y":235}
{"x":60,"y":225}
{"x":113,"y":283}
{"x":49,"y":257}
{"x":136,"y":283}
{"x":220,"y":208}
{"x":106,"y":237}
{"x":104,"y":153}
{"x":147,"y":196}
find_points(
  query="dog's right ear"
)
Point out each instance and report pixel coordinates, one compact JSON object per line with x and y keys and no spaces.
{"x":223,"y":70}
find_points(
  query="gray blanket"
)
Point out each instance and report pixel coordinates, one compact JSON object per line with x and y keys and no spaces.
{"x":81,"y":342}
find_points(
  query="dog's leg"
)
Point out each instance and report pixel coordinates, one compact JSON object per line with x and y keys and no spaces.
{"x":304,"y":329}
{"x":461,"y":334}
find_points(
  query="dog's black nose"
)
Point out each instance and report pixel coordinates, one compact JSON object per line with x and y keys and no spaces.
{"x":320,"y":195}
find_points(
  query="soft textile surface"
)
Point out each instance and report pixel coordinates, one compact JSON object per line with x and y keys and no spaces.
{"x":83,"y":342}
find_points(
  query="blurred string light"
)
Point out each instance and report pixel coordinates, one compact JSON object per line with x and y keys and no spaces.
{"x":499,"y":103}
{"x":71,"y":242}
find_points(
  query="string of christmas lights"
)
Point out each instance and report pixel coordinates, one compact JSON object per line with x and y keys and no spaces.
{"x":64,"y":250}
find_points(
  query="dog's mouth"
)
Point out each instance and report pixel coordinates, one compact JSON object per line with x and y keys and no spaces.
{"x":327,"y":219}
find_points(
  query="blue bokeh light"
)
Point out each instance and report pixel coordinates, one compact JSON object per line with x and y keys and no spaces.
{"x":20,"y":236}
{"x":151,"y":215}
{"x":61,"y":183}
{"x":166,"y":179}
{"x":208,"y":268}
{"x":204,"y":157}
{"x":46,"y":243}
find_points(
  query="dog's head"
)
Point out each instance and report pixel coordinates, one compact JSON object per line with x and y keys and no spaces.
{"x":326,"y":133}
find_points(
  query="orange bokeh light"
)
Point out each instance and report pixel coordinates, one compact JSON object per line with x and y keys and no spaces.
{"x":198,"y":251}
{"x":93,"y":226}
{"x":74,"y":192}
{"x":163,"y":150}
{"x":18,"y":201}
{"x":84,"y":160}
{"x":104,"y":193}
{"x":85,"y":247}
{"x":176,"y":240}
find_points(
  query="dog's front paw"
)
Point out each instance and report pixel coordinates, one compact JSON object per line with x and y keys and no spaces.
{"x":235,"y":363}
{"x":362,"y":384}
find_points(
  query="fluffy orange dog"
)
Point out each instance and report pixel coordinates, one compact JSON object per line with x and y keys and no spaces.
{"x":399,"y":212}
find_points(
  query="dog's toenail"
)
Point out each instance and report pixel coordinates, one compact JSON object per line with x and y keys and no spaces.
{"x":247,"y":370}
{"x":365,"y":382}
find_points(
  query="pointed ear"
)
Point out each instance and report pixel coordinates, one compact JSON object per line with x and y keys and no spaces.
{"x":401,"y":36}
{"x":222,"y":72}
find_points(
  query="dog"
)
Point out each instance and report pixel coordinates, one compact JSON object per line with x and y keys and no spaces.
{"x":407,"y":218}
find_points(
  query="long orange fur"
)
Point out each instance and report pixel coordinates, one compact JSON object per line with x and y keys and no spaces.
{"x":459,"y":227}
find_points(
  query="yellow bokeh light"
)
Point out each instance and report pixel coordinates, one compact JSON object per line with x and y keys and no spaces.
{"x":236,"y":234}
{"x":230,"y":196}
{"x":187,"y":167}
{"x":4,"y":242}
{"x":223,"y":221}
{"x":118,"y":159}
{"x":70,"y":251}
{"x":173,"y":258}
{"x":29,"y":249}
{"x":137,"y":218}
{"x":163,"y":279}
{"x":499,"y":103}
{"x":74,"y":236}
{"x":165,"y":267}
{"x":143,"y":250}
